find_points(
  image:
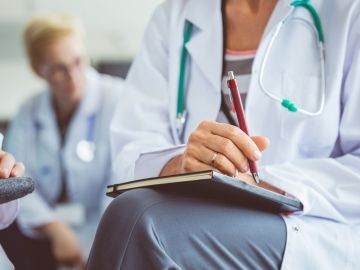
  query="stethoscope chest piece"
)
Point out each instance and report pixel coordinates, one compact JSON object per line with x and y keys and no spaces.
{"x":85,"y":150}
{"x":180,"y":123}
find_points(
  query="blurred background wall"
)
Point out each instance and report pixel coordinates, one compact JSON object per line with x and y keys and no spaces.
{"x":114,"y":33}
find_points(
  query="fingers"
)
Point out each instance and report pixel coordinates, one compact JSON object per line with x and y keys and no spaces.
{"x":215,"y":160}
{"x":261,"y":142}
{"x":9,"y":167}
{"x":224,"y":165}
{"x":71,"y":257}
{"x":18,"y":170}
{"x":191,"y":164}
{"x":232,"y":146}
{"x":77,"y":262}
{"x":229,"y":150}
{"x":242,"y":141}
{"x":198,"y":157}
{"x":7,"y":163}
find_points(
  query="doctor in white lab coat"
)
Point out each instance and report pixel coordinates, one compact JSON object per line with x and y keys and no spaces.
{"x":62,"y":135}
{"x":313,"y":158}
{"x":8,"y":211}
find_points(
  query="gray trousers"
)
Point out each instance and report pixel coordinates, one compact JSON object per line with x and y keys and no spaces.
{"x":152,"y":229}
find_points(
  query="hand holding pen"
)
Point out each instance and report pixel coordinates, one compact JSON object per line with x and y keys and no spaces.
{"x":221,"y":147}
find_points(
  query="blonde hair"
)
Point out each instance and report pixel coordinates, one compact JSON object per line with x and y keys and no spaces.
{"x":41,"y":30}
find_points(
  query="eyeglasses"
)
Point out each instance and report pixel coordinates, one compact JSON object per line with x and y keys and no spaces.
{"x":59,"y":72}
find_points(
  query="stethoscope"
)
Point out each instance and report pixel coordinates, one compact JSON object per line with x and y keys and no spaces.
{"x":181,"y":114}
{"x":86,"y":148}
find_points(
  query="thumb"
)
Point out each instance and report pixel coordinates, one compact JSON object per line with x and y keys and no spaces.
{"x":261,"y":142}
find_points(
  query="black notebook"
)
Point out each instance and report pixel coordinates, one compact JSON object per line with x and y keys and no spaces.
{"x":209,"y":182}
{"x":15,"y":188}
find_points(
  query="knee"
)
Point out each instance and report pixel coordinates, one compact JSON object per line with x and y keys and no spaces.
{"x":131,"y":203}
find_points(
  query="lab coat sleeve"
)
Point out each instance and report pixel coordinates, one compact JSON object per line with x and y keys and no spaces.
{"x":113,"y":92}
{"x":34,"y":210}
{"x":8,"y":211}
{"x":142,"y":142}
{"x":111,"y":179}
{"x":330,"y":187}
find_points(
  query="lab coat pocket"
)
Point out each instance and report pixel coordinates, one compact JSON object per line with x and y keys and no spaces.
{"x":308,"y":131}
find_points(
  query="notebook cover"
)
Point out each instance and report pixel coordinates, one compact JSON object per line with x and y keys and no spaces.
{"x":227,"y":189}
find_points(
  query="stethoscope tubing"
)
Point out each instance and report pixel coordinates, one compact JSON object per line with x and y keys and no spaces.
{"x":318,"y":32}
{"x":322,"y":65}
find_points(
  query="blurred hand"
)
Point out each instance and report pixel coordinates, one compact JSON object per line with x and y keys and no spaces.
{"x":65,"y":245}
{"x":217,"y":146}
{"x":9,"y":167}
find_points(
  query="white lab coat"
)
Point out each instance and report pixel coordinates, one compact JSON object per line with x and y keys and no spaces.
{"x":316,"y":159}
{"x":8,"y":213}
{"x":34,"y":139}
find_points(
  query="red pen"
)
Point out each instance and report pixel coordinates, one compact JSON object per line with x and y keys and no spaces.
{"x":240,"y":114}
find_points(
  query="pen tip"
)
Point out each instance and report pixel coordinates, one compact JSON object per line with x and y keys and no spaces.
{"x":256,"y":177}
{"x":231,"y":75}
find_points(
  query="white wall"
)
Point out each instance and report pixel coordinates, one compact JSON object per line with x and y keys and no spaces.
{"x":114,"y":32}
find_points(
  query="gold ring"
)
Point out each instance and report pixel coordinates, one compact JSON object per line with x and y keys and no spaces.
{"x":213,"y":159}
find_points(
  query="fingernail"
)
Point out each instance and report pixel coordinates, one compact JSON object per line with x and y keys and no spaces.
{"x":246,"y":168}
{"x":257,"y":154}
{"x":4,"y":171}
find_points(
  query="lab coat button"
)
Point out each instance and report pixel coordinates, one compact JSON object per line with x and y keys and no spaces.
{"x":296,"y":228}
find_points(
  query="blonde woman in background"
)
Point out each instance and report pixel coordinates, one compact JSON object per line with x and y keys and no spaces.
{"x":61,"y":135}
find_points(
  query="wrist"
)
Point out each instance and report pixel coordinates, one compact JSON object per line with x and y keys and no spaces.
{"x":173,"y":166}
{"x":51,"y":229}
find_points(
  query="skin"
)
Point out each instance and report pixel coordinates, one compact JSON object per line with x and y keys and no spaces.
{"x":245,"y":22}
{"x":63,"y":65}
{"x":9,"y":167}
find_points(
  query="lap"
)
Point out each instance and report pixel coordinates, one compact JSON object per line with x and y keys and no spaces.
{"x":218,"y":233}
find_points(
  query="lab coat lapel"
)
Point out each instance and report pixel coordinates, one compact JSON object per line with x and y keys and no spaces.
{"x":205,"y":48}
{"x":282,"y":8}
{"x":88,"y":107}
{"x":206,"y":43}
{"x":255,"y":95}
{"x":260,"y":109}
{"x":45,"y":124}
